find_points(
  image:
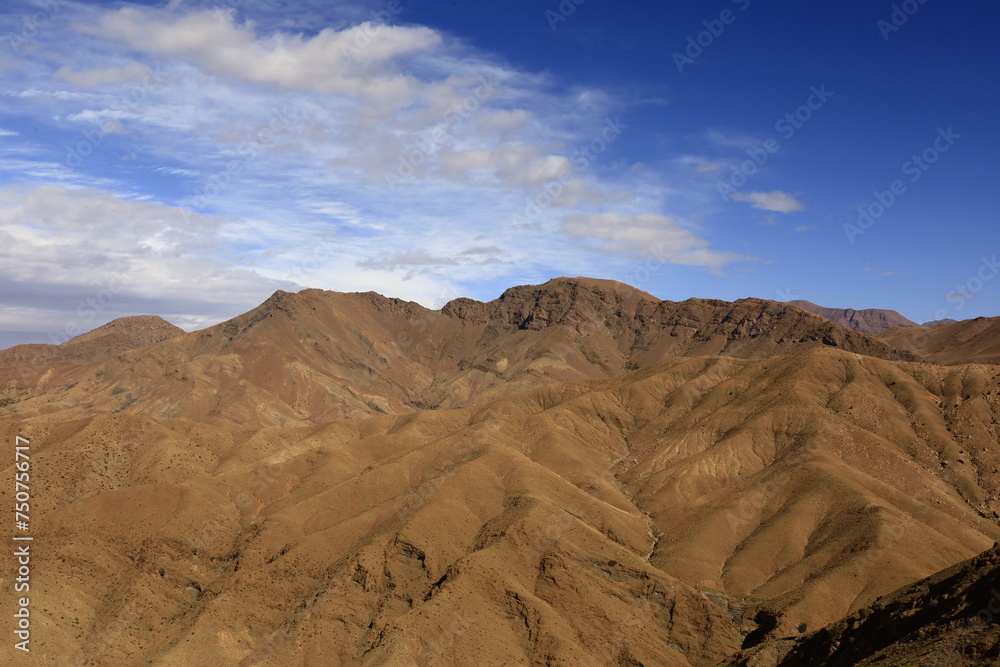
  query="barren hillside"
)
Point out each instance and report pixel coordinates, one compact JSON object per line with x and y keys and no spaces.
{"x":963,"y":342}
{"x":346,"y":479}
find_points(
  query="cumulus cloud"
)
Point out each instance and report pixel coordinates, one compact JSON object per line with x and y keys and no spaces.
{"x":778,"y":201}
{"x":658,"y":235}
{"x":355,"y":61}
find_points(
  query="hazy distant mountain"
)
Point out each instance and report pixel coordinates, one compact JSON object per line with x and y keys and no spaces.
{"x":871,"y":320}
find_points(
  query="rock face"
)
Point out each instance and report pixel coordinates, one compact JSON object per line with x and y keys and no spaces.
{"x":963,"y":342}
{"x":315,"y":356}
{"x":871,"y":320}
{"x":945,"y":619}
{"x":573,"y":473}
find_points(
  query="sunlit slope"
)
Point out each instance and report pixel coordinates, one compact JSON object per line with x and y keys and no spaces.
{"x":684,"y":505}
{"x":964,"y":342}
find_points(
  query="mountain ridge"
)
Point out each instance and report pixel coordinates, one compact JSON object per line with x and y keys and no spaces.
{"x":312,"y":356}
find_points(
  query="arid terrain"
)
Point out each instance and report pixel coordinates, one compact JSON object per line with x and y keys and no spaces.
{"x":964,"y":342}
{"x":576,"y":473}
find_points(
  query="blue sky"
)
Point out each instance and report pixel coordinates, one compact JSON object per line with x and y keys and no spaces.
{"x":187,"y":159}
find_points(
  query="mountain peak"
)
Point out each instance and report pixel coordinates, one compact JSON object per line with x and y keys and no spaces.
{"x":138,"y":329}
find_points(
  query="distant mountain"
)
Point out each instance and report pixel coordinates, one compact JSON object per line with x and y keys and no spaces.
{"x":315,"y":356}
{"x":963,"y":342}
{"x":871,"y":320}
{"x":22,"y":367}
{"x":934,"y":323}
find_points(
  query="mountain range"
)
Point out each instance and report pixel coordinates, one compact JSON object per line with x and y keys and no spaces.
{"x":350,"y":479}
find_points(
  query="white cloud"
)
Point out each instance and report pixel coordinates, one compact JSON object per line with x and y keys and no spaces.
{"x":778,"y":201}
{"x":415,"y":102}
{"x":657,"y":235}
{"x":60,"y":246}
{"x":356,"y":61}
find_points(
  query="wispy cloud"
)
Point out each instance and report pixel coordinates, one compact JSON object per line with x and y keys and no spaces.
{"x":778,"y":201}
